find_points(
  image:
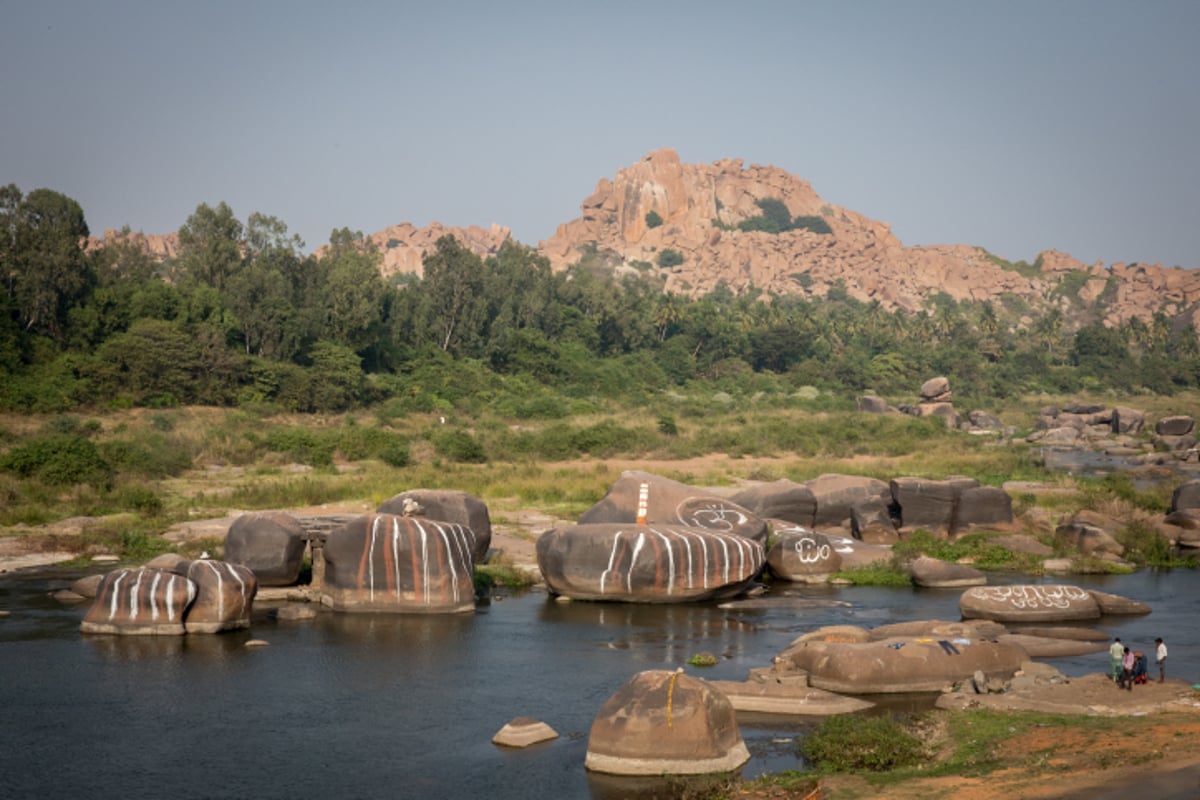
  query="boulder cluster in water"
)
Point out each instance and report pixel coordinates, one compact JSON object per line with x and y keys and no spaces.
{"x":654,"y":540}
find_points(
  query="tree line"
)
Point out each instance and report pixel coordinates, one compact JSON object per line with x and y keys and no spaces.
{"x":240,"y":315}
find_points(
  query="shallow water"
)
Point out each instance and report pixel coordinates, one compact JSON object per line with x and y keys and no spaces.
{"x":405,"y":706}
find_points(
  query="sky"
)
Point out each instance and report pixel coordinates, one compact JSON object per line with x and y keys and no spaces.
{"x":1016,"y":126}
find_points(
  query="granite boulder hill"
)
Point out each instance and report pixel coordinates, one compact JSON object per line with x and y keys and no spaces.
{"x":660,"y":204}
{"x":700,"y":206}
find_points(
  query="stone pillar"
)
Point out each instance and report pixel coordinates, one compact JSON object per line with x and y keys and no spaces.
{"x":316,"y":544}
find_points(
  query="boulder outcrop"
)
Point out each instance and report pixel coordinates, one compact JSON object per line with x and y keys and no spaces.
{"x":391,"y":563}
{"x":446,"y":505}
{"x":270,"y":544}
{"x":642,"y":498}
{"x":202,"y":596}
{"x":901,"y":664}
{"x":1028,"y":603}
{"x":140,"y":602}
{"x":665,"y":723}
{"x":647,"y":563}
{"x":802,"y":555}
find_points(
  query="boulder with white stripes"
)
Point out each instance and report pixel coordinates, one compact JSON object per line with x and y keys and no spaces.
{"x":398,"y":564}
{"x":647,"y":563}
{"x":224,"y":596}
{"x":448,"y":505}
{"x":644,"y":498}
{"x":142,"y":601}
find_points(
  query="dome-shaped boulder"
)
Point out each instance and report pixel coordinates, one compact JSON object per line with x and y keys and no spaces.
{"x":665,"y":723}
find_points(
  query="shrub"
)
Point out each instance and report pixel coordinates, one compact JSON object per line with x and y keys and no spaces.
{"x":458,"y":445}
{"x":396,"y":455}
{"x":59,"y":460}
{"x":653,"y":220}
{"x":851,"y":743}
{"x":669,"y":258}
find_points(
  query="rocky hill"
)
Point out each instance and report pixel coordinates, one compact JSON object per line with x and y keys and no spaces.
{"x":660,"y":204}
{"x":700,"y":206}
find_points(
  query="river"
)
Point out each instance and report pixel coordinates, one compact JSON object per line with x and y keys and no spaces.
{"x":365,"y":706}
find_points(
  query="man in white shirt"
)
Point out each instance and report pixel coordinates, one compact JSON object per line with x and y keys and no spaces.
{"x":1160,"y":657}
{"x":1116,"y":652}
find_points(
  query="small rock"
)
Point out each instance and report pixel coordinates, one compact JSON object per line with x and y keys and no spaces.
{"x":523,"y":732}
{"x":256,"y":643}
{"x":295,"y":613}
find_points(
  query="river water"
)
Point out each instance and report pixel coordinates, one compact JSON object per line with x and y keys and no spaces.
{"x":365,"y":706}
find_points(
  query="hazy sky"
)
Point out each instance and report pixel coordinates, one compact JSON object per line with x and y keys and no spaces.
{"x":1017,"y":126}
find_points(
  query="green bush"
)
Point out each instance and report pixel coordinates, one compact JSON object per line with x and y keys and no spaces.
{"x":396,"y":455}
{"x":653,"y":220}
{"x":460,"y":446}
{"x":59,"y":460}
{"x":669,"y":258}
{"x":148,"y":455}
{"x":851,"y":743}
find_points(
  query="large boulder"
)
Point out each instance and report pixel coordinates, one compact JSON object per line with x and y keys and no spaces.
{"x":390,"y":563}
{"x":802,"y":555}
{"x":1088,"y":533}
{"x":1178,"y":425}
{"x":871,"y":522}
{"x":901,"y":664}
{"x":446,"y":505}
{"x":270,"y":544}
{"x":926,"y":503}
{"x":642,"y":498}
{"x":837,"y":495}
{"x":873,"y":405}
{"x":224,"y":596}
{"x":665,"y":723}
{"x":1028,"y":603}
{"x":936,"y":390}
{"x":783,"y":499}
{"x":140,"y":602}
{"x":938,"y":574}
{"x":856,"y":554}
{"x":1127,"y":420}
{"x":982,"y":506}
{"x":1186,"y":495}
{"x":647,"y":563}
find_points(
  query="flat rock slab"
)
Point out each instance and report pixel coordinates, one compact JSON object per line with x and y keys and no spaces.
{"x":783,"y":602}
{"x":1093,"y":694}
{"x":1046,"y":647}
{"x":788,"y":697}
{"x":1064,"y":632}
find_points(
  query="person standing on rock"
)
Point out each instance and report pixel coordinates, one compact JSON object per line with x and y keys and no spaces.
{"x":1116,"y":652}
{"x":1160,"y":658}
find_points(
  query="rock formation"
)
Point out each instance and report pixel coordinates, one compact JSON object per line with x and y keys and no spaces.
{"x":390,"y":563}
{"x":270,"y":543}
{"x":665,"y":723}
{"x":447,"y":505}
{"x":203,"y":596}
{"x":643,"y":498}
{"x":404,"y":246}
{"x":647,"y":563}
{"x":700,"y":206}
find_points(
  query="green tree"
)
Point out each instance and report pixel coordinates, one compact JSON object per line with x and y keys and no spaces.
{"x":210,"y":245}
{"x":42,"y":262}
{"x":454,"y":285}
{"x":653,"y":220}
